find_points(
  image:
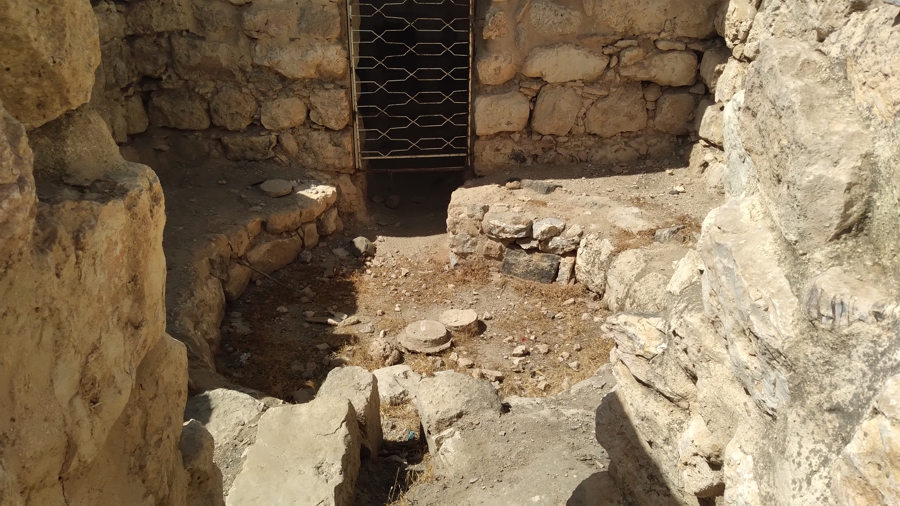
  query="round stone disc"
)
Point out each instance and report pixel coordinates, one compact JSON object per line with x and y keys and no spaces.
{"x":425,"y":336}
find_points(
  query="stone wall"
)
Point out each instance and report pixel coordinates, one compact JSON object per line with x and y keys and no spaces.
{"x":599,"y":81}
{"x":555,"y":82}
{"x":771,"y":378}
{"x":198,"y":79}
{"x":93,"y":389}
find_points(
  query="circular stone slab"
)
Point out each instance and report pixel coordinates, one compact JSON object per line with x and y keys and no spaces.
{"x":460,"y":322}
{"x":425,"y":336}
{"x":277,"y":187}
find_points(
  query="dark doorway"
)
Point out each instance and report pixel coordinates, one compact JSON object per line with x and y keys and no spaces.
{"x":411,"y":72}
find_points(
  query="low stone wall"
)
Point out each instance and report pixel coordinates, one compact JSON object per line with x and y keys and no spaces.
{"x":220,"y":267}
{"x":601,"y":82}
{"x":549,"y":231}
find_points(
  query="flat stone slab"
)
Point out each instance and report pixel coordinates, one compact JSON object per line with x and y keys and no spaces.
{"x":277,"y":187}
{"x":304,"y":454}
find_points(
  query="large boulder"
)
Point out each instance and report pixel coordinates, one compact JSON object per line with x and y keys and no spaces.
{"x":448,"y":397}
{"x":560,"y":63}
{"x":49,"y":51}
{"x":303,"y":454}
{"x":360,"y":387}
{"x":231,"y":418}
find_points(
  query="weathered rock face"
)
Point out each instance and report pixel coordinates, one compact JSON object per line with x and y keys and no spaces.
{"x":770,"y":374}
{"x":82,"y":408}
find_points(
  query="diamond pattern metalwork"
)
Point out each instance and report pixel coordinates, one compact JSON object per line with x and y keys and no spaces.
{"x":412,"y":83}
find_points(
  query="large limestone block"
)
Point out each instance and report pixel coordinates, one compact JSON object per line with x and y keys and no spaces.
{"x":261,"y":21}
{"x":492,"y":155}
{"x":621,"y":111}
{"x":95,"y":282}
{"x":283,"y":113}
{"x":330,"y":108}
{"x":231,"y":418}
{"x":322,"y":20}
{"x":735,"y":19}
{"x":17,"y":191}
{"x":560,"y":63}
{"x":622,"y":273}
{"x":155,"y":16}
{"x":360,"y":387}
{"x":712,"y":65}
{"x":496,"y":23}
{"x":304,"y":454}
{"x":202,"y":60}
{"x":818,"y":180}
{"x":667,"y":68}
{"x":556,"y":110}
{"x":311,"y":201}
{"x":501,"y":113}
{"x":681,"y":18}
{"x":151,"y":55}
{"x":232,"y":109}
{"x":506,"y":226}
{"x":708,"y":121}
{"x":249,"y":146}
{"x":595,"y":254}
{"x":49,"y":50}
{"x":675,"y":112}
{"x":446,"y":398}
{"x":495,"y":68}
{"x":136,"y":120}
{"x":180,"y":109}
{"x":547,"y":17}
{"x":273,"y":253}
{"x":303,"y":59}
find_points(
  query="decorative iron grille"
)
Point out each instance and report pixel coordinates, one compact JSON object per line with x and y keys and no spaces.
{"x":411,"y":76}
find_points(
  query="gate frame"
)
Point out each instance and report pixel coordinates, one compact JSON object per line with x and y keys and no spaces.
{"x":352,"y":7}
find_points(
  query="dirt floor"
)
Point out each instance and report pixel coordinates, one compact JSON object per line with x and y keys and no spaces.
{"x":269,"y":345}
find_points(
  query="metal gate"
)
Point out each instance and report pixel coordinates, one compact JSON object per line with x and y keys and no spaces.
{"x":411,"y":82}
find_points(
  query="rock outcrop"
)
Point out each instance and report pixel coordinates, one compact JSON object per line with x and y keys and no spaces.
{"x":769,"y":374}
{"x":93,"y":387}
